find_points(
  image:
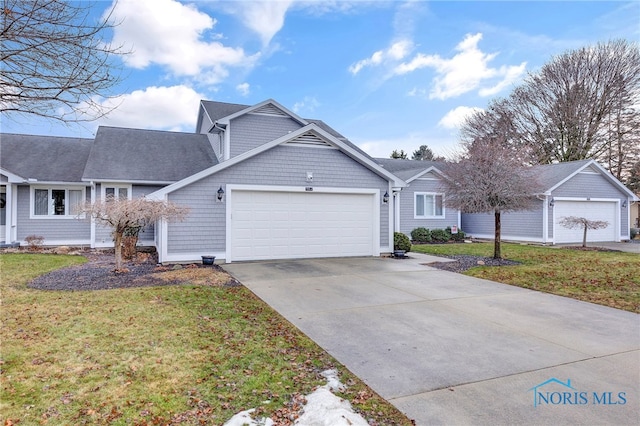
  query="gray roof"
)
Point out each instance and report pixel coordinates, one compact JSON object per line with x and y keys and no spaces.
{"x":550,"y":175}
{"x":218,"y":110}
{"x":406,"y":169}
{"x":45,"y":158}
{"x":132,"y":155}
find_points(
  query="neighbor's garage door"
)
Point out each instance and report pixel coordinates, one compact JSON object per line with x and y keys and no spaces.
{"x":287,"y":225}
{"x":592,"y":210}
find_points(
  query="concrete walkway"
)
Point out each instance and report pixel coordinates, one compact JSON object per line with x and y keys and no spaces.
{"x":449,"y":349}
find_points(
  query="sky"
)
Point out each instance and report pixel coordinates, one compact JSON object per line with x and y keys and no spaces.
{"x":385,"y":74}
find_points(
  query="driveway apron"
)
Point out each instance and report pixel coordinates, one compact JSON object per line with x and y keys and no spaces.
{"x":450,"y":349}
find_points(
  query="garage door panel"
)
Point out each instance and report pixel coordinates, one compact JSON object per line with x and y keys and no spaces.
{"x":592,"y":210}
{"x":270,"y":225}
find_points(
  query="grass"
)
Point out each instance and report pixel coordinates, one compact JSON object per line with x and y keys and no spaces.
{"x":605,"y":278}
{"x":187,"y":354}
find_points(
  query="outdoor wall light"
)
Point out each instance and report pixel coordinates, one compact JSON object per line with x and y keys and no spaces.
{"x":385,"y":197}
{"x":551,"y":203}
{"x":624,"y":204}
{"x":220,"y":194}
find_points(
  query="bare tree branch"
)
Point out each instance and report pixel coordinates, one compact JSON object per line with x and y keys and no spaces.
{"x":54,"y":59}
{"x":124,"y":216}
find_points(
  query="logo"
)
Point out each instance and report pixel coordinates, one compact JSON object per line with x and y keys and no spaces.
{"x":557,"y":392}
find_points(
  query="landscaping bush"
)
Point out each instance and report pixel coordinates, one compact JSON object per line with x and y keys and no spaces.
{"x":634,"y":232}
{"x":440,"y":235}
{"x":421,"y":235}
{"x":401,"y":242}
{"x":35,"y":242}
{"x":456,"y":237}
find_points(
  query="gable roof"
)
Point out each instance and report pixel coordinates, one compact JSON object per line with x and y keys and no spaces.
{"x":44,"y":158}
{"x":147,"y":156}
{"x":409,"y":170}
{"x":554,"y":175}
{"x":301,"y":132}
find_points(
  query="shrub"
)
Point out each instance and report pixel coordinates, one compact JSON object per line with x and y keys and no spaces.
{"x":421,"y":235}
{"x":440,"y":235}
{"x":401,"y":242}
{"x":456,"y":237}
{"x":634,"y":232}
{"x":34,"y":242}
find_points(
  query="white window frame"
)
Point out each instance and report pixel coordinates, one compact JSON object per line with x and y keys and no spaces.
{"x":50,"y":213}
{"x":426,"y":215}
{"x":117,"y":187}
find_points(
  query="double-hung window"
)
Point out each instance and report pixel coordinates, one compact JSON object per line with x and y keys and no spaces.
{"x":428,"y":205}
{"x":58,"y":202}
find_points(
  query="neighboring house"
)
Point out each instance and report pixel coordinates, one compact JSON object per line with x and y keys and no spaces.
{"x":577,"y":188}
{"x":422,"y":203}
{"x":263,"y":183}
{"x":260,"y":182}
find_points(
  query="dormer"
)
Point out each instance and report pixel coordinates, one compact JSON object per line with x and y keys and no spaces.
{"x":234,"y":129}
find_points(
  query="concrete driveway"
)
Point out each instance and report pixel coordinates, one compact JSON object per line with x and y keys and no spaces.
{"x":449,"y":349}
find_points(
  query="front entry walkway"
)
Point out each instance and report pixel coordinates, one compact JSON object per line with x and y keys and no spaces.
{"x":449,"y":349}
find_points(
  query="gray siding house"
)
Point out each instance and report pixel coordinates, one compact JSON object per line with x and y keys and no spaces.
{"x":263,"y":183}
{"x":577,"y":188}
{"x":422,"y":203}
{"x":260,"y":182}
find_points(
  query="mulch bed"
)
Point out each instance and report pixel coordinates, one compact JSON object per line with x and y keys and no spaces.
{"x":465,"y":262}
{"x":99,"y":274}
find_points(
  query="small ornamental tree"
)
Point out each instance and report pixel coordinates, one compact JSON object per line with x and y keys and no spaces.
{"x":129,"y":216}
{"x":573,"y":222}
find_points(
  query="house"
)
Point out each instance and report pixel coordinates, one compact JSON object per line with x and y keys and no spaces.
{"x":262,"y":182}
{"x":422,"y":203}
{"x":577,"y":188}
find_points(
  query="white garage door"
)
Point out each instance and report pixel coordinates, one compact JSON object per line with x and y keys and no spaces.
{"x":592,"y":210}
{"x":287,"y":225}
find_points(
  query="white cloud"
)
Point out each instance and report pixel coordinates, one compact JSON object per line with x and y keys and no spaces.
{"x":174,"y":35}
{"x":464,"y":72}
{"x":307,"y":105}
{"x":396,"y":52}
{"x":265,"y":18}
{"x":511,"y":75}
{"x":454,"y":118}
{"x":244,"y":89}
{"x":161,"y":108}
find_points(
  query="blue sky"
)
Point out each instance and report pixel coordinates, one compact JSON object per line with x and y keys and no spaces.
{"x":386,"y":74}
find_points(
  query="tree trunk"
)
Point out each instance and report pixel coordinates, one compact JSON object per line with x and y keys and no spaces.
{"x":117,"y":243}
{"x":496,"y":245}
{"x":584,"y":236}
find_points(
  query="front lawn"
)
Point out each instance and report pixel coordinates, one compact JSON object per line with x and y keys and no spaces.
{"x":177,"y":354}
{"x":606,"y":278}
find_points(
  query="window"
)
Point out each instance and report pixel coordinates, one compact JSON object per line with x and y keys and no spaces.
{"x":112,"y":191}
{"x":428,"y":205}
{"x":56,"y":201}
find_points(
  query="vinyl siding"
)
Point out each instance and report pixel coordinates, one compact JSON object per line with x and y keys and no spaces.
{"x":252,"y":130}
{"x":204,"y":230}
{"x":428,"y":183}
{"x":525,"y":225}
{"x":54,"y":229}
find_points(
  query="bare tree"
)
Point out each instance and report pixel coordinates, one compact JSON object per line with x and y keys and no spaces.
{"x":581,"y":105}
{"x":490,"y":176}
{"x":54,"y":59}
{"x":398,"y":154}
{"x":573,"y":222}
{"x":129,"y":216}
